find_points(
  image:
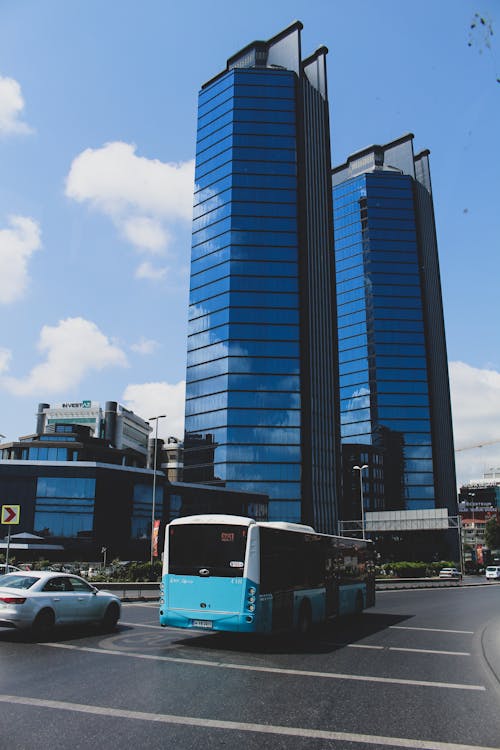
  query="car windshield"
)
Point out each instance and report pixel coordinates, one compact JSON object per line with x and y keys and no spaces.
{"x":16,"y":581}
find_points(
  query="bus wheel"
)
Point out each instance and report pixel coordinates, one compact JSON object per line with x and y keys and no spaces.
{"x":304,"y":621}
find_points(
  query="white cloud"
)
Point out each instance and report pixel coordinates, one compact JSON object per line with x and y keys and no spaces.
{"x":11,"y":107}
{"x":150,"y":399}
{"x":145,"y":346}
{"x":146,"y":234}
{"x":17,"y":245}
{"x":72,"y":348}
{"x":5,"y":357}
{"x":146,"y":270}
{"x":143,"y":197}
{"x":475,"y":396}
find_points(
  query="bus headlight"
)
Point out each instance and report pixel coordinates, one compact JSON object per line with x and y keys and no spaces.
{"x":252,"y":591}
{"x":251,"y":607}
{"x":251,"y":599}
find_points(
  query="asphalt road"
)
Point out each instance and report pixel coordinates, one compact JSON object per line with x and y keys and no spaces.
{"x":420,"y":670}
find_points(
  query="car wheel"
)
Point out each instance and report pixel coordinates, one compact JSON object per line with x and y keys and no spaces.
{"x":111,"y":617}
{"x":43,"y":623}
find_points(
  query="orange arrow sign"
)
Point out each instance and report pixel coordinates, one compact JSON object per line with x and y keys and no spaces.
{"x":11,"y":514}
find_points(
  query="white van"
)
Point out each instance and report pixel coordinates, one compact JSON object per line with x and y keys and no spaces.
{"x":493,"y":572}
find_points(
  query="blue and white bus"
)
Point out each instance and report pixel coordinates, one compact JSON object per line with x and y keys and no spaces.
{"x":229,"y":573}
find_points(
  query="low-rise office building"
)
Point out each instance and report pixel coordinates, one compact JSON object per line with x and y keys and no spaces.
{"x":478,"y":503}
{"x":83,"y":494}
{"x":115,"y":423}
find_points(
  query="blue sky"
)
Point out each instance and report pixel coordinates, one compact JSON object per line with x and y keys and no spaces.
{"x":97,"y":136}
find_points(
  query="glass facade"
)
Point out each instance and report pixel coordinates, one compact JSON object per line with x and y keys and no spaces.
{"x":64,"y":506}
{"x":142,"y":496}
{"x":248,"y":425}
{"x":388,"y":359}
{"x":243,"y":376}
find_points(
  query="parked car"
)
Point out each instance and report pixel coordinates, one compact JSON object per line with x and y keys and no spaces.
{"x":12,"y":568}
{"x":450,"y":573}
{"x":40,"y":600}
{"x":493,"y":572}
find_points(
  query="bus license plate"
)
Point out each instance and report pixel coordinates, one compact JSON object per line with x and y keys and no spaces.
{"x":207,"y":624}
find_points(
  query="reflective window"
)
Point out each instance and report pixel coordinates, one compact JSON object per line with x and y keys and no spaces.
{"x":241,"y":399}
{"x":240,"y":417}
{"x":48,"y":454}
{"x":402,"y":399}
{"x":78,"y":487}
{"x":215,"y":151}
{"x":247,"y":348}
{"x":419,"y":492}
{"x":264,"y":128}
{"x":409,"y":411}
{"x":258,"y":453}
{"x":243,"y":333}
{"x":360,"y":352}
{"x":259,"y":472}
{"x":403,"y":362}
{"x":357,"y":428}
{"x":243,"y":365}
{"x":63,"y":522}
{"x":405,"y":425}
{"x":212,"y":139}
{"x":355,"y":413}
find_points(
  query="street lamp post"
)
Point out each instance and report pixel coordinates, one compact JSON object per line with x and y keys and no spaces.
{"x":360,"y":469}
{"x":153,"y":506}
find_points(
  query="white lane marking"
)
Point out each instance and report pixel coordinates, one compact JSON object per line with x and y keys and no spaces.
{"x":343,"y":645}
{"x":268,"y":670}
{"x":400,"y":648}
{"x":204,"y":723}
{"x":139,"y":604}
{"x":432,"y":630}
{"x":428,"y":651}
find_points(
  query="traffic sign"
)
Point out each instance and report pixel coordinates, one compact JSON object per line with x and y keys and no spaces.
{"x":11,"y":514}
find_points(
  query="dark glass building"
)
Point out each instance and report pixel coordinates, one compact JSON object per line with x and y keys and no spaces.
{"x":260,"y":394}
{"x":394,"y":390}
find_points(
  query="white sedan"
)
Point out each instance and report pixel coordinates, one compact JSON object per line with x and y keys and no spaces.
{"x":450,"y":573}
{"x":3,"y":569}
{"x":39,"y":600}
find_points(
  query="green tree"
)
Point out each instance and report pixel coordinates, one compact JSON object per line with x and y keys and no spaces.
{"x":492,"y":534}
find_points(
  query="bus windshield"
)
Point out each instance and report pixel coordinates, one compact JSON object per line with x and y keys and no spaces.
{"x":215,"y":548}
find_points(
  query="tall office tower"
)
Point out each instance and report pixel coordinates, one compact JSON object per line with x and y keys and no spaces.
{"x":394,"y":390}
{"x":260,"y":393}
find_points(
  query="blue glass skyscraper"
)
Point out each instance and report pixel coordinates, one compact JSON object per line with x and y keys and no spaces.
{"x":394,"y":390}
{"x":261,"y":371}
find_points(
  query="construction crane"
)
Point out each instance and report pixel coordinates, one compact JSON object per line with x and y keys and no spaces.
{"x":478,"y":445}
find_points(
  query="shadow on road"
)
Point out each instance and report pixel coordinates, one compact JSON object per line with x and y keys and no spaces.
{"x":325,"y":638}
{"x":58,"y":634}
